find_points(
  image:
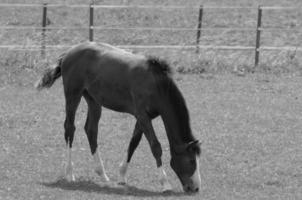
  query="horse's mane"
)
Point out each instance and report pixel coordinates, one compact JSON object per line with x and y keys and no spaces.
{"x":159,"y":66}
{"x":165,"y":84}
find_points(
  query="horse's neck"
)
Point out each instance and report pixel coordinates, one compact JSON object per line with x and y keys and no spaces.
{"x":175,"y":127}
{"x":174,"y":113}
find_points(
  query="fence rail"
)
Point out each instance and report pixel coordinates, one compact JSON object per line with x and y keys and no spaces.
{"x":258,"y":29}
{"x":36,"y":47}
{"x":151,"y":6}
{"x":221,"y":47}
{"x":147,"y":28}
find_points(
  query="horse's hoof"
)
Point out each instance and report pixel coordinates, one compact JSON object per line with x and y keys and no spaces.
{"x":70,"y":178}
{"x":105,"y":179}
{"x":166,"y":186}
{"x":167,"y":191}
{"x":103,"y":176}
{"x":121,"y":183}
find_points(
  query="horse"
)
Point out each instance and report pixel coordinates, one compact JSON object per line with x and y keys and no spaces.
{"x":110,"y":77}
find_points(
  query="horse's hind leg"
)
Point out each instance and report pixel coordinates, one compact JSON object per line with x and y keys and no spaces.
{"x":72,"y":102}
{"x":91,"y":129}
{"x":136,"y":137}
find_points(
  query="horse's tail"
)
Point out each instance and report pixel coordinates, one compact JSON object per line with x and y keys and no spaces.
{"x":50,"y":75}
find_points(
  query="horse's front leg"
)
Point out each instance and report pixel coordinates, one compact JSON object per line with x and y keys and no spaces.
{"x":146,"y":126}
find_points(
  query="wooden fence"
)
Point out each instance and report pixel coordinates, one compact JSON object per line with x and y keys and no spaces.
{"x":258,"y":29}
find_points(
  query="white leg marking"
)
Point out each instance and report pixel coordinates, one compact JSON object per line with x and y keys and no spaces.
{"x":163,"y":179}
{"x":196,"y":176}
{"x":100,"y":170}
{"x":123,"y":171}
{"x":69,"y":170}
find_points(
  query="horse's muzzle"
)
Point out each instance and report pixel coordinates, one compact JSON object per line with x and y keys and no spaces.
{"x":190,"y":189}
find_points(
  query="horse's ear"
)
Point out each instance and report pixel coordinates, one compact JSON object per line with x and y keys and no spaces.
{"x":194,"y":146}
{"x":195,"y":142}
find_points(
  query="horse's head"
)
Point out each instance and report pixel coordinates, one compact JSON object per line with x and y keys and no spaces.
{"x":185,"y":163}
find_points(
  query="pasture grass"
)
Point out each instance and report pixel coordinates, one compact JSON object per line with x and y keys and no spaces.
{"x":250,"y":128}
{"x":249,"y":119}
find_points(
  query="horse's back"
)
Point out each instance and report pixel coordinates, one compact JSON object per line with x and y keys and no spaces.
{"x":92,"y":61}
{"x":114,"y":76}
{"x":102,"y":49}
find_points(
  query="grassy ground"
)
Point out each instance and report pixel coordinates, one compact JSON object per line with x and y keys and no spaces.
{"x":250,"y":128}
{"x":250,"y":125}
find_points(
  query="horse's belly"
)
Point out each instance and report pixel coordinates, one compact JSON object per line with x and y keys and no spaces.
{"x":115,"y":97}
{"x":118,"y":105}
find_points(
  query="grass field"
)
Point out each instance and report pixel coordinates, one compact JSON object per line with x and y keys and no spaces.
{"x":250,"y":125}
{"x":250,"y":128}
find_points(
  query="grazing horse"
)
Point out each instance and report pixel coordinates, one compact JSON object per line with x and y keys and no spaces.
{"x":136,"y":84}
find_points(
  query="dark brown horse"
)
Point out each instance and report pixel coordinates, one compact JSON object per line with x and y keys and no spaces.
{"x":142,"y":86}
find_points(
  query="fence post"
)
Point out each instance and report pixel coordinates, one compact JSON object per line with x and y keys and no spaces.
{"x":258,"y":33}
{"x":91,"y":21}
{"x":199,"y":28}
{"x":44,"y":21}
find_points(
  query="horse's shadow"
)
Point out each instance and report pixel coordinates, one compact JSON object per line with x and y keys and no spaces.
{"x":110,"y":188}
